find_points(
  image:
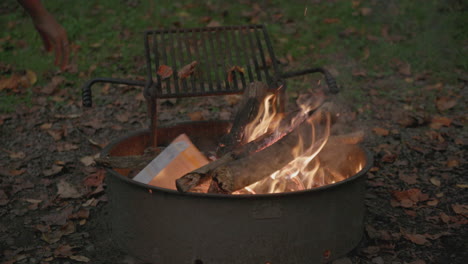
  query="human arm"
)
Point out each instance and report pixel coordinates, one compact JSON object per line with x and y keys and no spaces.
{"x":52,"y":33}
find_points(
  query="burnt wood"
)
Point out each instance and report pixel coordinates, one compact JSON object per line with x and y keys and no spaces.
{"x":253,"y":97}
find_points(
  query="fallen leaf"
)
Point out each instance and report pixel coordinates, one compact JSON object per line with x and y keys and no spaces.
{"x":461,"y":209}
{"x":68,"y":228}
{"x":381,"y":131}
{"x":98,"y":190}
{"x":232,"y":99}
{"x":409,"y":179}
{"x":65,"y":146}
{"x":58,"y":218}
{"x":68,"y":116}
{"x":15,"y":172}
{"x":433,"y":202}
{"x":445,"y":218}
{"x":46,"y":126}
{"x":435,"y":181}
{"x":410,"y":197}
{"x":437,"y":236}
{"x":445,"y":103}
{"x":87,"y":160}
{"x":33,"y":201}
{"x":405,"y":69}
{"x":63,"y":251}
{"x":66,"y":190}
{"x":453,"y":163}
{"x":371,"y":250}
{"x":438,"y":121}
{"x":81,"y":214}
{"x":17,"y":155}
{"x":418,"y":261}
{"x":56,"y":134}
{"x":95,"y":179}
{"x":378,"y":260}
{"x":164,"y":71}
{"x":359,"y":72}
{"x":31,"y":76}
{"x":331,"y":20}
{"x":51,"y":237}
{"x":463,"y":186}
{"x":13,"y":83}
{"x":54,"y":170}
{"x":91,"y":202}
{"x":365,"y":11}
{"x":42,"y":228}
{"x":213,"y":23}
{"x":232,"y":70}
{"x":80,"y":258}
{"x":52,"y":86}
{"x":187,"y":70}
{"x":123,"y":117}
{"x":417,"y":239}
{"x":106,"y":88}
{"x":196,"y":116}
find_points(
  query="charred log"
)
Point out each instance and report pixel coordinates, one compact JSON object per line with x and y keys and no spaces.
{"x":253,"y":97}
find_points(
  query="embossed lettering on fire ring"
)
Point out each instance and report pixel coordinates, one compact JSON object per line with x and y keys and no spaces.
{"x":266,"y":210}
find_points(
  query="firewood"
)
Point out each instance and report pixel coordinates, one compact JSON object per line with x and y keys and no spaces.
{"x":201,"y":175}
{"x":242,"y":172}
{"x":253,"y":97}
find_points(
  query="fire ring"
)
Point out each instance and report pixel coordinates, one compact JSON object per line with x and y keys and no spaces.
{"x":165,"y":226}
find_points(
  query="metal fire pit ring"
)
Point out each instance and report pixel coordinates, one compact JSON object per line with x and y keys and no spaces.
{"x":164,"y":226}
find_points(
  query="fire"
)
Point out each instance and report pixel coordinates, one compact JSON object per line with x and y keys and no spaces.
{"x":306,"y":170}
{"x":266,"y":119}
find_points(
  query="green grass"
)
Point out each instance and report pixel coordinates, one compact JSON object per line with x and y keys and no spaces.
{"x":108,"y":36}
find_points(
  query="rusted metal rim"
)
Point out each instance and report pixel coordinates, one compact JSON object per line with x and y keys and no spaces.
{"x":110,"y":146}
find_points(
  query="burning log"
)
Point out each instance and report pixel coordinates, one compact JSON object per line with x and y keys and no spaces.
{"x":242,"y":172}
{"x":253,"y":97}
{"x":290,"y":123}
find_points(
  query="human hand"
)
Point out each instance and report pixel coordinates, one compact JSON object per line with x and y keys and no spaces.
{"x":54,"y":37}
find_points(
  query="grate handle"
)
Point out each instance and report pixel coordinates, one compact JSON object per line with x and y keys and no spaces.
{"x":331,"y":82}
{"x":87,"y":97}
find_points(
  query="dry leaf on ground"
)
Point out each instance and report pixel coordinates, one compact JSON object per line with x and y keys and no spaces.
{"x":63,"y":251}
{"x":187,"y":70}
{"x":87,"y":160}
{"x":381,"y":131}
{"x":65,"y":146}
{"x":196,"y":116}
{"x":409,"y":198}
{"x":80,"y":258}
{"x":54,"y":170}
{"x":417,"y":239}
{"x":461,"y":209}
{"x":164,"y":71}
{"x":233,"y":70}
{"x":435,"y":181}
{"x":445,"y":103}
{"x":95,"y":179}
{"x":66,"y":190}
{"x":331,"y":20}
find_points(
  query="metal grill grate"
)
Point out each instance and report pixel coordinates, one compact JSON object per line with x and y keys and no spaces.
{"x":216,"y":50}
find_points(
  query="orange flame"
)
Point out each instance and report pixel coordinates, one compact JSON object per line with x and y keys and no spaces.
{"x":305,"y":171}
